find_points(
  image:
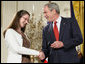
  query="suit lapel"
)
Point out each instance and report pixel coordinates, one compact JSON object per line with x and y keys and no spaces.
{"x":51,"y":32}
{"x":62,"y":27}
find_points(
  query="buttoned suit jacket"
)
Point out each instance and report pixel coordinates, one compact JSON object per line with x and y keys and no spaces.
{"x":69,"y":34}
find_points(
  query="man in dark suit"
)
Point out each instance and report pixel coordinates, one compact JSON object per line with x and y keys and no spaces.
{"x":60,"y":37}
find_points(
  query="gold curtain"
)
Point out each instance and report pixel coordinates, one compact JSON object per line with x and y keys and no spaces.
{"x":78,"y":7}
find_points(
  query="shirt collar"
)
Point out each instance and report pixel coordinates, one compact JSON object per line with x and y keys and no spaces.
{"x":59,"y":19}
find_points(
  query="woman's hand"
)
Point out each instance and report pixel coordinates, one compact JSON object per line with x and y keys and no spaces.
{"x":41,"y":55}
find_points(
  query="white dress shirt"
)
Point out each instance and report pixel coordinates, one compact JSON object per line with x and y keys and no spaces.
{"x":58,"y":23}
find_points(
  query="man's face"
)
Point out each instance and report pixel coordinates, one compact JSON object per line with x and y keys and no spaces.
{"x":48,"y":14}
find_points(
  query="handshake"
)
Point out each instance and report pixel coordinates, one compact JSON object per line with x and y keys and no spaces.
{"x":41,"y":55}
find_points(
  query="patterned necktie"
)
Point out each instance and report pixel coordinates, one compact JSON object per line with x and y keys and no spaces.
{"x":56,"y":33}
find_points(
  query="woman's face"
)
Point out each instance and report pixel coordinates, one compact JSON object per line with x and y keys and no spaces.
{"x":24,"y":20}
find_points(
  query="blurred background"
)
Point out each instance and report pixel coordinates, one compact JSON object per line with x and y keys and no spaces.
{"x":37,"y":21}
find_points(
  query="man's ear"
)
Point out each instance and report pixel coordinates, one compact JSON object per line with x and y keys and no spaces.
{"x":53,"y":11}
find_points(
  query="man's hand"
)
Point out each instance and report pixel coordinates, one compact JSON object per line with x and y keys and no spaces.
{"x":41,"y":55}
{"x":57,"y":44}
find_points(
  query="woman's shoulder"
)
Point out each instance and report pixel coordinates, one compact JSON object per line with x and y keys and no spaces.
{"x":10,"y":30}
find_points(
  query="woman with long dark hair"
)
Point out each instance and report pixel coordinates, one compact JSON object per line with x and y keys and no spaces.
{"x":16,"y":41}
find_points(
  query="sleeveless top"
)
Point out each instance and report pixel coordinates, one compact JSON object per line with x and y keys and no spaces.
{"x":26,"y":43}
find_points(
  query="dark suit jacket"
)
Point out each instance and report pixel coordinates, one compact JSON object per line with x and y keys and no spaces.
{"x":70,"y":35}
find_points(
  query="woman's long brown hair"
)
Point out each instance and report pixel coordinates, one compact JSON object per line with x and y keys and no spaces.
{"x":15,"y":23}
